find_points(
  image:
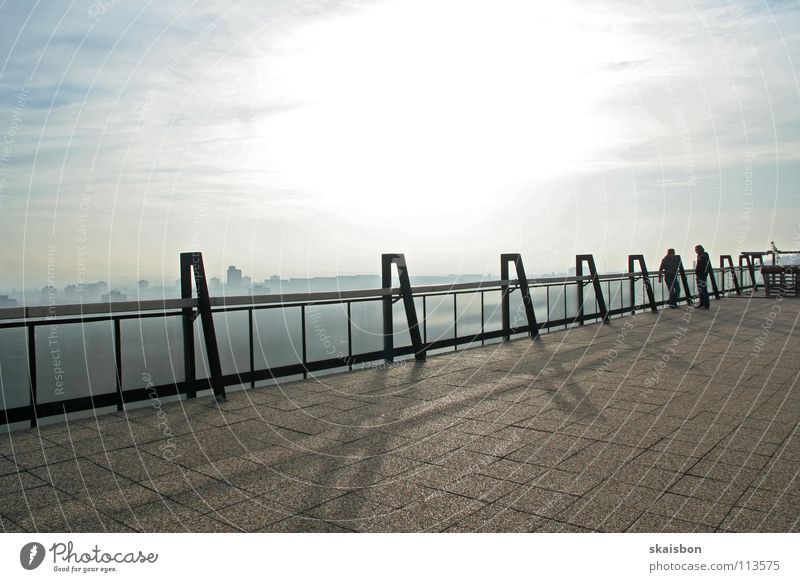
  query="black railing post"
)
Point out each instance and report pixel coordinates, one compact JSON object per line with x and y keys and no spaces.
{"x":527,"y":301}
{"x":252,"y":348}
{"x":750,"y":258}
{"x":189,"y":370}
{"x":713,"y":280}
{"x":647,"y":285}
{"x":303,"y":341}
{"x":388,"y":324}
{"x":598,"y":289}
{"x":193,"y":262}
{"x":684,"y":281}
{"x":399,"y":259}
{"x":118,"y":358}
{"x":32,"y":372}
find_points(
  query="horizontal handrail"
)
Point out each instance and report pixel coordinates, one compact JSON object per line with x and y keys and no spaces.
{"x":119,"y":307}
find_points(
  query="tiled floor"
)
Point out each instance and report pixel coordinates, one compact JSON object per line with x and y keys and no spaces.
{"x":678,"y":421}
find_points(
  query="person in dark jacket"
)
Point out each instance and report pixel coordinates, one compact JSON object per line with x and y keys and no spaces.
{"x":669,"y":270}
{"x":702,"y":269}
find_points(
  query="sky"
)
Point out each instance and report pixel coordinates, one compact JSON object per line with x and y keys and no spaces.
{"x":305,"y":138}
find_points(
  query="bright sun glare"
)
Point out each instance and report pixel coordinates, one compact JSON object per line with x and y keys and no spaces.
{"x":443,"y":102}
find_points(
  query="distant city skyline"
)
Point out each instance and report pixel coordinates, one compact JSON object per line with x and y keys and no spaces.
{"x":102,"y":291}
{"x":305,"y":139}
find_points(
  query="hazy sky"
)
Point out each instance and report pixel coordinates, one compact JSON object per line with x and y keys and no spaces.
{"x":305,"y":138}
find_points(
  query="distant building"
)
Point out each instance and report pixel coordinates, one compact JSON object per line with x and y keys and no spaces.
{"x":143,"y":286}
{"x":48,"y":295}
{"x":214,"y":285}
{"x":113,"y":296}
{"x":6,"y":301}
{"x":71,"y":294}
{"x":234,"y":279}
{"x":93,"y":292}
{"x":247,"y":282}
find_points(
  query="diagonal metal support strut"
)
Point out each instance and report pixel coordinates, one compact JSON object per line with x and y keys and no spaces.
{"x":651,"y":298}
{"x":399,"y":259}
{"x":192,"y":263}
{"x":598,"y":289}
{"x":527,"y":301}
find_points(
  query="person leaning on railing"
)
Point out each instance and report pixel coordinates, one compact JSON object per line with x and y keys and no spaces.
{"x":702,"y":269}
{"x":669,"y":269}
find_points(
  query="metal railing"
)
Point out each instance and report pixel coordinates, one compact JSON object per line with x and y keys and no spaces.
{"x":36,"y":348}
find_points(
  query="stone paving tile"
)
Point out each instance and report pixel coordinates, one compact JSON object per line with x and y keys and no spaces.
{"x":160,"y":516}
{"x":135,"y":464}
{"x":113,"y":499}
{"x":653,"y":523}
{"x":175,"y":483}
{"x":8,"y":467}
{"x":253,"y":514}
{"x":614,"y":493}
{"x":568,"y":482}
{"x":599,"y":516}
{"x":38,"y":457}
{"x":8,"y":526}
{"x":397,"y":521}
{"x":746,"y":520}
{"x":59,"y":517}
{"x":653,"y":459}
{"x":644,"y":476}
{"x":522,"y":436}
{"x":349,"y":510}
{"x":769,"y":501}
{"x":700,"y":511}
{"x":441,"y":510}
{"x":79,"y":475}
{"x":298,"y":496}
{"x":32,"y":499}
{"x":554,"y":526}
{"x":481,"y":487}
{"x":15,"y":483}
{"x":514,"y":471}
{"x":497,"y":519}
{"x":397,"y":493}
{"x":300,"y":524}
{"x":214,"y":495}
{"x":541,"y":502}
{"x":708,"y":489}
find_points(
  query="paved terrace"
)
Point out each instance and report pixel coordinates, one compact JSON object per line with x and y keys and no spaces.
{"x":677,"y":421}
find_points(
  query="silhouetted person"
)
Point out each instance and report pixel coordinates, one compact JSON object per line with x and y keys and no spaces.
{"x":701,"y":271}
{"x":669,"y":270}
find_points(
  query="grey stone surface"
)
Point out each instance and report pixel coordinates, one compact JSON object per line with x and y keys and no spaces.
{"x":670,"y":422}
